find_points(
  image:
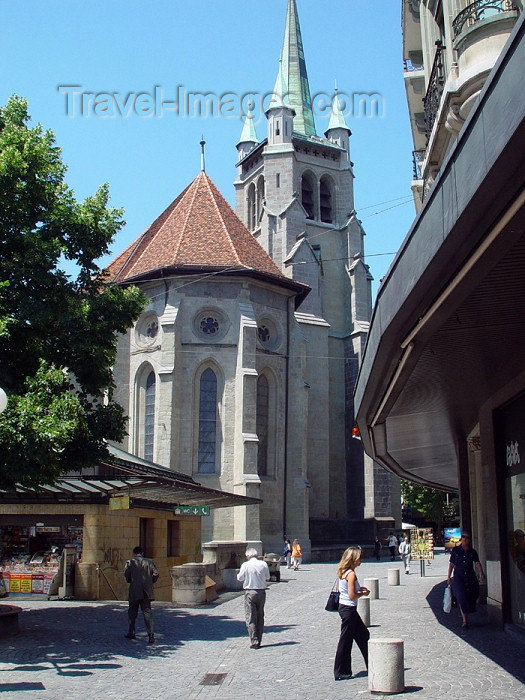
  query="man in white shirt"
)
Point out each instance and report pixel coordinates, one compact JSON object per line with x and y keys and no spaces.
{"x":254,"y":574}
{"x":392,"y":546}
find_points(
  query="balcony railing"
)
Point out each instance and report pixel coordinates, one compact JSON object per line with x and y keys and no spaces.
{"x":434,"y":89}
{"x":477,"y":11}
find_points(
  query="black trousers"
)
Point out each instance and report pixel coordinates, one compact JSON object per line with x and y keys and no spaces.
{"x":352,"y":627}
{"x":145,"y":605}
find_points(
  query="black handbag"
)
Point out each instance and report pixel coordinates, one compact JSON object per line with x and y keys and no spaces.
{"x":332,"y":604}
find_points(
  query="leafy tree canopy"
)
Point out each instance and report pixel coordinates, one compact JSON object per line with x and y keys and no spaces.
{"x":431,"y":503}
{"x":58,"y":332}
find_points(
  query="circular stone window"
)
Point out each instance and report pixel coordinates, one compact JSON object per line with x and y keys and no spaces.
{"x":210,"y":325}
{"x":147,"y":329}
{"x":268,"y":334}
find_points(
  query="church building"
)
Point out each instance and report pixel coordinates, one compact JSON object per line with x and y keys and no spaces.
{"x":241,"y":370}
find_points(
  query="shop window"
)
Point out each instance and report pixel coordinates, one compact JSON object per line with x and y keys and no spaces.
{"x":307,"y":196}
{"x":208,"y":422}
{"x":174,"y":538}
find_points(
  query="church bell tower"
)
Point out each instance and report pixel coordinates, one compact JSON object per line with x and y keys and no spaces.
{"x":295,"y":193}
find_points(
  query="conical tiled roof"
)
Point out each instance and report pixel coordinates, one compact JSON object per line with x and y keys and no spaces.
{"x":198,"y":230}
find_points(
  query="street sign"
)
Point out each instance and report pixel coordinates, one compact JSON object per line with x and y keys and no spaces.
{"x":191,"y":510}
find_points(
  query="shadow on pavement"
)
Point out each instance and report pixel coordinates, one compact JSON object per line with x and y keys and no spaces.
{"x":80,"y":640}
{"x":488,"y":639}
{"x":9,"y":687}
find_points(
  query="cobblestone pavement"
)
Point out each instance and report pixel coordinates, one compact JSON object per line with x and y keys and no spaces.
{"x":75,"y":649}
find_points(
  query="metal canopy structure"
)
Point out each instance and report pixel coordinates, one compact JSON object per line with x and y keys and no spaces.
{"x":147,"y":485}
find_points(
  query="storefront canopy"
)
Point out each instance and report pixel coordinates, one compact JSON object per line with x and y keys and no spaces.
{"x":147,"y":485}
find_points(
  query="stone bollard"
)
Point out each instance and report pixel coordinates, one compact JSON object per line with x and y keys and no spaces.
{"x":188,"y":584}
{"x":363,"y":608}
{"x":393,"y":577}
{"x":373,"y":586}
{"x":386,"y":666}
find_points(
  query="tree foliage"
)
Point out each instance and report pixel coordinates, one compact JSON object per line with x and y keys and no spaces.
{"x":431,"y":503}
{"x":58,"y":332}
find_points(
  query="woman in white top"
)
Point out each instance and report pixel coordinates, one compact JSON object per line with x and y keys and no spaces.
{"x":352,"y":627}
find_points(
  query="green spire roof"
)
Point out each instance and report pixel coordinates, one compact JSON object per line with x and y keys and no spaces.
{"x":337,"y":118}
{"x":292,"y":77}
{"x":248,"y":134}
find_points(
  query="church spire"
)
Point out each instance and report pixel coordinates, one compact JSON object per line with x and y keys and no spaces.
{"x":337,"y":118}
{"x":293,"y":75}
{"x":248,"y":133}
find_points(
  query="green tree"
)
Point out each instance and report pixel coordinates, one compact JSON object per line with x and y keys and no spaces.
{"x":431,"y":503}
{"x":58,"y":332}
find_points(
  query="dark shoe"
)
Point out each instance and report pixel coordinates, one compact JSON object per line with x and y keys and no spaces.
{"x":130,"y":635}
{"x":255,"y":646}
{"x":151,"y":639}
{"x":344,"y":677}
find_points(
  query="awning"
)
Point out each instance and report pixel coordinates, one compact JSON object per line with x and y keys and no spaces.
{"x":148,"y":486}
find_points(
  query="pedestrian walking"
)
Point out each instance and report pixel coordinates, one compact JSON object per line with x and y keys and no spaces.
{"x":405,"y":550}
{"x":287,"y":553}
{"x":352,"y":627}
{"x":141,"y":573}
{"x":254,"y":574}
{"x":392,"y":546}
{"x":377,"y":548}
{"x":297,"y":555}
{"x":464,"y":583}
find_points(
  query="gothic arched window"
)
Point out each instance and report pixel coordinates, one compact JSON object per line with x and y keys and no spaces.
{"x":307,"y":196}
{"x":251,"y":207}
{"x":325,"y":200}
{"x":260,"y":198}
{"x":149,"y":416}
{"x":143,"y":426}
{"x":208,"y":423}
{"x":262,"y":424}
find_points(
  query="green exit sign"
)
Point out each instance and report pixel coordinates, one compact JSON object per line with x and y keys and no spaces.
{"x":191,"y":510}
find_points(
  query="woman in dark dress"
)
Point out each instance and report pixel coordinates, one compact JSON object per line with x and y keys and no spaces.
{"x":465,"y":585}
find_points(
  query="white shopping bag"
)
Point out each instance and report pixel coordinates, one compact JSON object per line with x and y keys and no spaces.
{"x":447,"y":600}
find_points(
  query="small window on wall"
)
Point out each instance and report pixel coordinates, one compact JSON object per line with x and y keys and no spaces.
{"x":174,"y":539}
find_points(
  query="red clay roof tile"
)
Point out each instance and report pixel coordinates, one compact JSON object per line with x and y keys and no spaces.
{"x":198,"y":229}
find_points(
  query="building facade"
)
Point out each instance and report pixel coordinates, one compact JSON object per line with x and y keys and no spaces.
{"x":241,"y":371}
{"x":449,"y":49}
{"x":439,"y":399}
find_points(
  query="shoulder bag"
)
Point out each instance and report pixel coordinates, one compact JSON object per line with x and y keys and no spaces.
{"x":332,"y":604}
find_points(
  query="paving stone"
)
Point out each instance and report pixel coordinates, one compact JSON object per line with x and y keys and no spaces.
{"x":77,"y":649}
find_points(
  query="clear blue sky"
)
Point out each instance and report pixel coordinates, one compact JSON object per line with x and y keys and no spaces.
{"x":128,"y":47}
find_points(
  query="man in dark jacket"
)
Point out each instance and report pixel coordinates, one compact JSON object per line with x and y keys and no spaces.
{"x":141,"y":573}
